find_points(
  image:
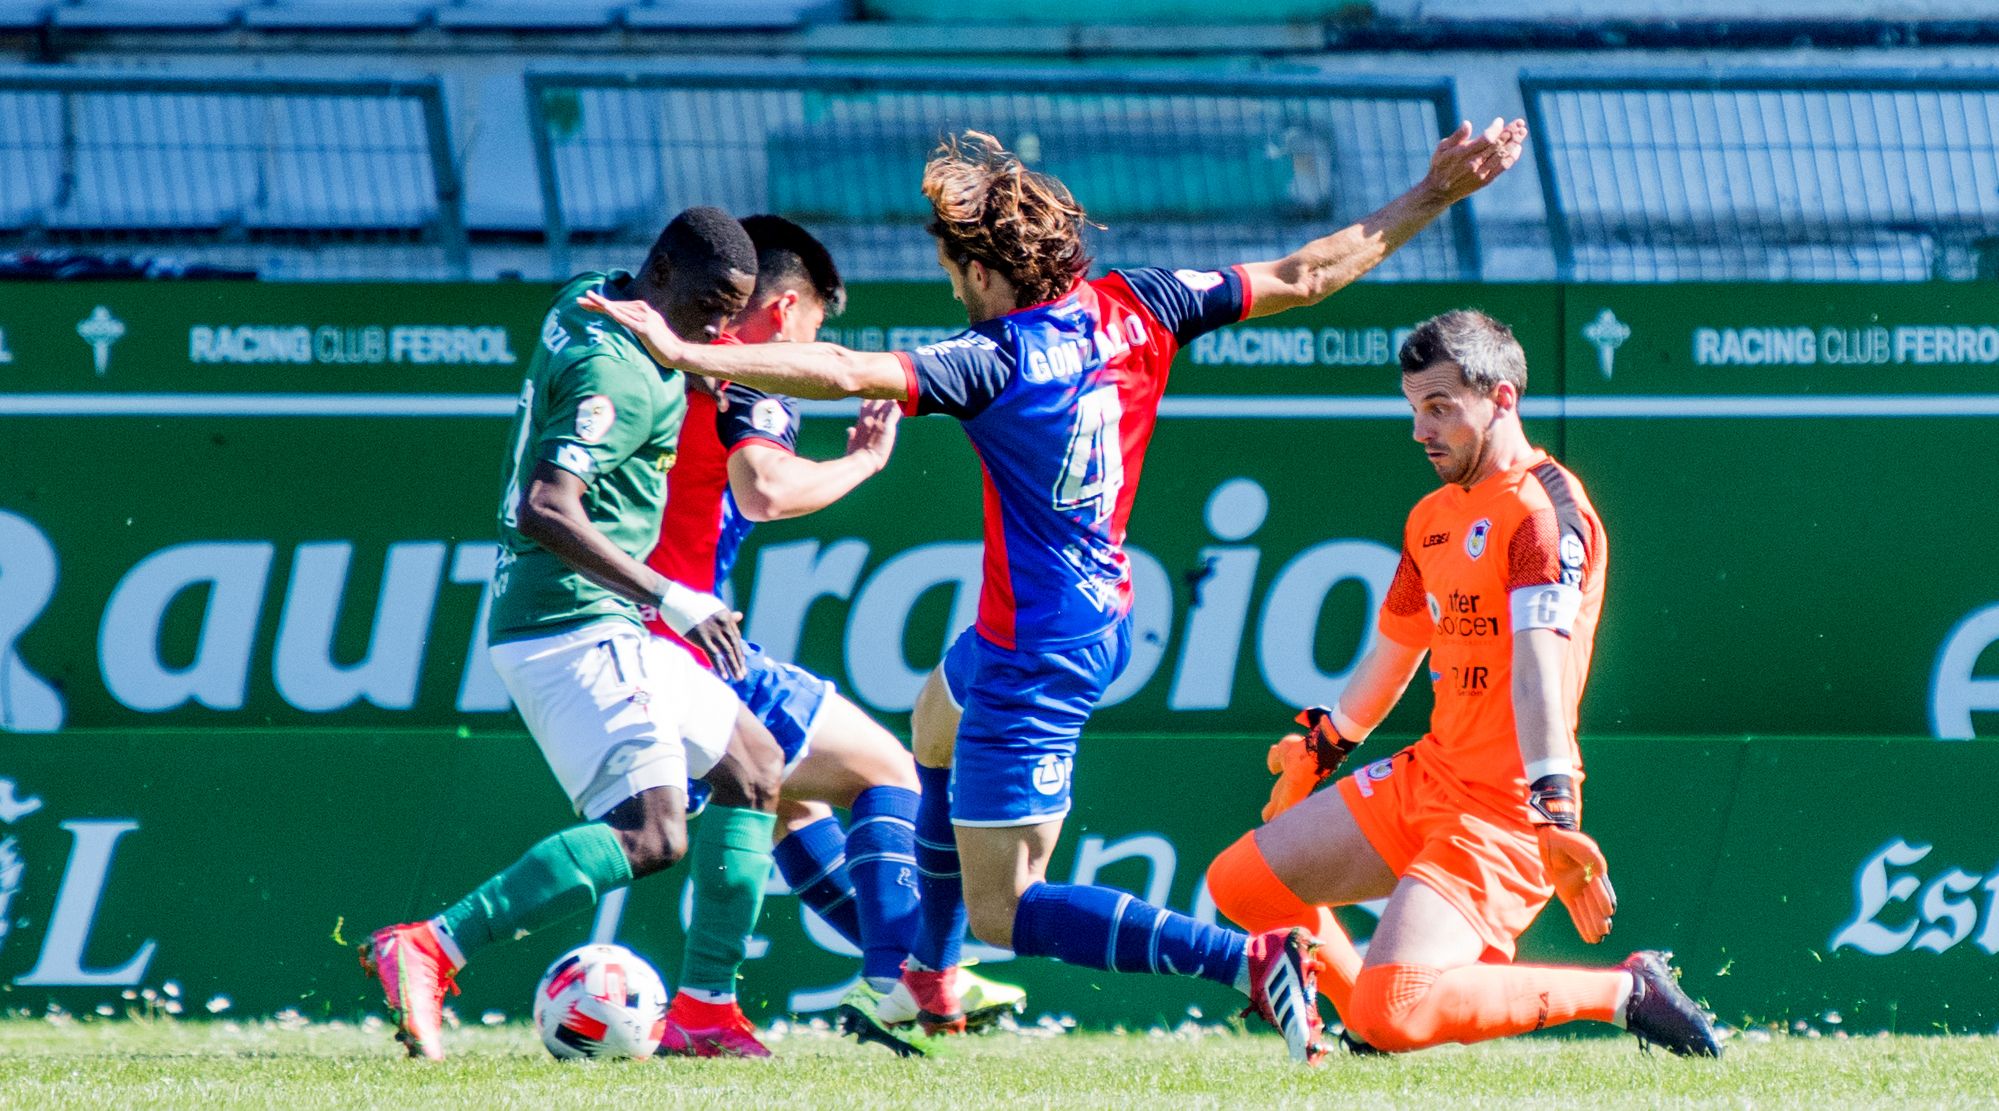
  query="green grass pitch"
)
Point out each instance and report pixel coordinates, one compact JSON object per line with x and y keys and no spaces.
{"x":212,"y":1064}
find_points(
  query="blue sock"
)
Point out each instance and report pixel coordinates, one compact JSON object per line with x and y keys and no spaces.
{"x":1099,"y":927}
{"x":813,"y":861}
{"x":940,"y":928}
{"x":881,"y":859}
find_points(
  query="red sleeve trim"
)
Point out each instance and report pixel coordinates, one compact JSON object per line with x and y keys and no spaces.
{"x":1243,"y":277}
{"x":765,"y":441}
{"x":909,"y":378}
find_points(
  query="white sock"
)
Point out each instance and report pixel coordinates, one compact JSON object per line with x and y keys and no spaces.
{"x":1630,"y":985}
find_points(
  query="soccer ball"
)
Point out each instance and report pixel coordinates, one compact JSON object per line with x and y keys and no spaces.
{"x":600,"y":1001}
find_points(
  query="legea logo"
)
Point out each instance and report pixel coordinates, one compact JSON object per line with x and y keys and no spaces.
{"x":93,"y":842}
{"x":1896,"y":909}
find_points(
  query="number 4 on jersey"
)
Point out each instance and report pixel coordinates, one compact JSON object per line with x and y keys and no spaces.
{"x":1093,"y":466}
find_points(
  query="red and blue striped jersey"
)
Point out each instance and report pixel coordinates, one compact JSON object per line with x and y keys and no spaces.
{"x":1059,"y":401}
{"x":702,"y":530}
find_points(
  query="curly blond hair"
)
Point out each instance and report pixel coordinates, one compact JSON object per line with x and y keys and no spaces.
{"x":1021,"y":223}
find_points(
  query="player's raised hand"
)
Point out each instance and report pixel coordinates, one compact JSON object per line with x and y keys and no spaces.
{"x":1467,"y":161}
{"x":643,"y":321}
{"x":720,"y":636}
{"x":874,"y":430}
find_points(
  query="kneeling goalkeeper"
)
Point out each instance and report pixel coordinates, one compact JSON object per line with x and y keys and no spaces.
{"x":1468,"y":831}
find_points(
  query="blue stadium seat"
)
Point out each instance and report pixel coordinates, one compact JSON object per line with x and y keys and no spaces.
{"x":24,"y":15}
{"x":178,"y":15}
{"x":738,"y":14}
{"x":345,"y":15}
{"x":31,"y":171}
{"x":531,"y":15}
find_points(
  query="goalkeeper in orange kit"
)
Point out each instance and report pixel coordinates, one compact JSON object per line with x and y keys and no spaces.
{"x":1469,"y":831}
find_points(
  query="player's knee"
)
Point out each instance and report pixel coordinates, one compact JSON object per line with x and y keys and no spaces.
{"x":1388,"y":1007}
{"x":1226,"y":886}
{"x":752,"y":773}
{"x":1245,"y":890}
{"x":989,"y":916}
{"x":898,"y":769}
{"x":655,"y":846}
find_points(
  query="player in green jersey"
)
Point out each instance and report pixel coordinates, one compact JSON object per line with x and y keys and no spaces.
{"x":624,"y":719}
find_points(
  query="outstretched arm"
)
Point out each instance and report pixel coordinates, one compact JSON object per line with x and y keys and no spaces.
{"x":771,"y":484}
{"x":809,"y":370}
{"x":1463,"y":164}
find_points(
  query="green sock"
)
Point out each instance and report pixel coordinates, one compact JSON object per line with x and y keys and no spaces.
{"x":731,"y":858}
{"x":560,"y":876}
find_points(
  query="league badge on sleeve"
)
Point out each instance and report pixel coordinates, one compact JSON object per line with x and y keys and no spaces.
{"x":768,"y":417}
{"x":1200,"y":281}
{"x":1475,"y":538}
{"x":594,"y":417}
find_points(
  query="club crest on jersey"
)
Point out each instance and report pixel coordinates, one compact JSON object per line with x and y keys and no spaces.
{"x":594,"y":417}
{"x":1475,"y":539}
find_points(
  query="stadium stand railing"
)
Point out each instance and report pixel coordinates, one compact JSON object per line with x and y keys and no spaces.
{"x":319,"y":179}
{"x":1184,"y":169}
{"x":1769,"y":175}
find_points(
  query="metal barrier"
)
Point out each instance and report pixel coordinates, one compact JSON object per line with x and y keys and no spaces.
{"x":292,"y":178}
{"x":1185,"y":169}
{"x":1769,"y":175}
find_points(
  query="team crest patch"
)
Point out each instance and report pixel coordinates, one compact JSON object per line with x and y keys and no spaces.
{"x":1051,"y":774}
{"x":1475,"y":539}
{"x":1200,"y":281}
{"x":768,"y":417}
{"x":594,"y":417}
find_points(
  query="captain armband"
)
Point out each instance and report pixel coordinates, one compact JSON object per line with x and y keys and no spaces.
{"x":1545,"y":606}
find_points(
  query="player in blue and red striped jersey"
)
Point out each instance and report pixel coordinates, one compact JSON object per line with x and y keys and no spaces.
{"x":1057,"y":384}
{"x":736,"y":466}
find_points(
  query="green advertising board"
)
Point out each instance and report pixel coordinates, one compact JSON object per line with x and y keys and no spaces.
{"x":245,"y":532}
{"x":1798,"y":484}
{"x":273,"y":504}
{"x":1792,"y":878}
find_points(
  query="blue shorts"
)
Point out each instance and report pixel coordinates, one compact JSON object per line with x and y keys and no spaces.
{"x":786,"y":698}
{"x":1024,"y":711}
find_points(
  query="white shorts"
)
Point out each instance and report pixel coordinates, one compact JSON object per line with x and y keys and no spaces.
{"x":617,"y":711}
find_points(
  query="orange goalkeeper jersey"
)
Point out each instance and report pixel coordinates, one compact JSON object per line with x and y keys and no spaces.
{"x":1522,"y":549}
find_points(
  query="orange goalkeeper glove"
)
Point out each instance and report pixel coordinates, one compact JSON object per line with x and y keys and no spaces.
{"x":1575,"y":864}
{"x":1302,"y":761}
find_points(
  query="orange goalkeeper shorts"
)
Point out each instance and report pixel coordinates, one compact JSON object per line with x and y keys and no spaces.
{"x":1426,"y":826}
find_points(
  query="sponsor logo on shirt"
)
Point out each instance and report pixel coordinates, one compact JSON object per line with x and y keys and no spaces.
{"x":1572,"y":559}
{"x":576,"y":460}
{"x":1458,"y":615}
{"x":1436,"y":538}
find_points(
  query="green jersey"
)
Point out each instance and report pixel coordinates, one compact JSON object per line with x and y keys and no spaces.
{"x":596,"y":405}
